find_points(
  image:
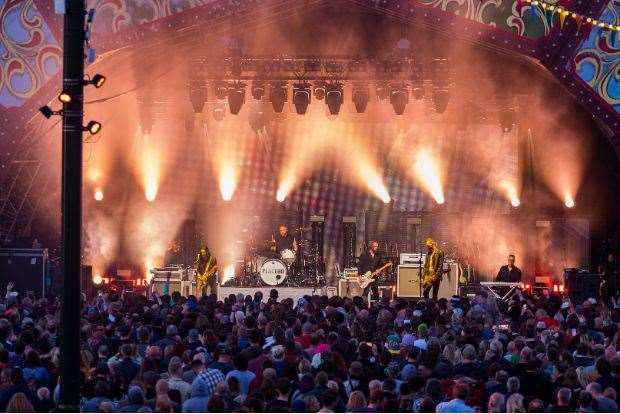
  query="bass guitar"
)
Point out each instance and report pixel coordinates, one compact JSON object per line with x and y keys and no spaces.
{"x":367,"y":278}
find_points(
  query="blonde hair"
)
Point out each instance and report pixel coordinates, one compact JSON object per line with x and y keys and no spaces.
{"x":19,"y":404}
{"x":515,"y":404}
{"x":356,"y":401}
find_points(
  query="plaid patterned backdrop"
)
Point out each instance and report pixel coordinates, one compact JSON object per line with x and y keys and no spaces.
{"x":327,"y":153}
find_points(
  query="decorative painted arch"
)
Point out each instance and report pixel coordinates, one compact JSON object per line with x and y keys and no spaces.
{"x":585,"y":61}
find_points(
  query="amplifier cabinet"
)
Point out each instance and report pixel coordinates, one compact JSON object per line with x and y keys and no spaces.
{"x":408,"y":281}
{"x":184,"y":287}
{"x":349,"y":288}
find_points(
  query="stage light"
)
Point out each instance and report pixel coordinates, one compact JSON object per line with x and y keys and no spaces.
{"x":221,"y":90}
{"x":258,"y":90}
{"x":229,"y":273}
{"x":399,"y":97}
{"x":150,"y":191}
{"x":236,"y":97}
{"x":98,"y":80}
{"x":360,"y":97}
{"x":47,"y":111}
{"x":219,"y":109}
{"x":280,"y":196}
{"x":319,"y":91}
{"x":569,"y":202}
{"x":301,"y":97}
{"x":65,"y":97}
{"x":198,"y":94}
{"x":427,"y":171}
{"x":97,"y":279}
{"x":506,"y":120}
{"x":228,"y":181}
{"x":98,"y":195}
{"x":278,"y":96}
{"x":382,"y":91}
{"x":515,"y":202}
{"x":441,"y":98}
{"x":333,"y":97}
{"x":93,"y":127}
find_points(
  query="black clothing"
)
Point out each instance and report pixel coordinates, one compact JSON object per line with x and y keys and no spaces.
{"x":283,"y":243}
{"x":508,"y":275}
{"x":435,"y":287}
{"x":128,"y":370}
{"x":368,"y":263}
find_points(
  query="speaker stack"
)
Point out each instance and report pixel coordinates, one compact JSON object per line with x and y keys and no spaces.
{"x":581,"y":284}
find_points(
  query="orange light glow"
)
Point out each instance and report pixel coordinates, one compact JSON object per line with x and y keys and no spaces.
{"x":569,"y":202}
{"x":97,"y":279}
{"x":374,"y":183}
{"x":98,"y":195}
{"x":229,"y":273}
{"x":510,"y":191}
{"x":228,"y":181}
{"x":427,"y":170}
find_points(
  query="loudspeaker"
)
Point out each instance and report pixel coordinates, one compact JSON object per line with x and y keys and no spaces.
{"x":581,"y":284}
{"x":349,"y":288}
{"x":26,"y":268}
{"x":408,"y":282}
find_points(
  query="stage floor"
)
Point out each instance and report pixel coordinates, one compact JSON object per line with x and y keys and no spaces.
{"x":283,"y":292}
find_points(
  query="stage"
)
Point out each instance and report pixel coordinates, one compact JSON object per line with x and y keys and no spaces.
{"x":283,"y":292}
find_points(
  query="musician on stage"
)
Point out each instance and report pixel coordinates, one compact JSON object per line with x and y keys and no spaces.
{"x":283,"y":240}
{"x":433,"y":269}
{"x":509,"y":272}
{"x":369,"y":261}
{"x":206,"y":271}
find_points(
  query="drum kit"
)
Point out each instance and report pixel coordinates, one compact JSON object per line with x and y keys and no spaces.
{"x":264,"y":266}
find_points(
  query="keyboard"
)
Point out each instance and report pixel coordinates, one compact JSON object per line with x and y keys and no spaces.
{"x":498,"y":284}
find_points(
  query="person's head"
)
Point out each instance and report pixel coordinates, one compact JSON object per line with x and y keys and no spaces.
{"x":430,"y":244}
{"x":496,"y":403}
{"x":513,"y":384}
{"x":312,"y":404}
{"x":469,"y":353}
{"x":126,"y":351}
{"x":283,"y":386}
{"x":283,"y":230}
{"x":595,"y":389}
{"x":511,"y":260}
{"x":240,"y":362}
{"x":175,"y":367}
{"x":357,"y":401}
{"x":515,"y":404}
{"x":162,"y":404}
{"x":585,"y":399}
{"x":216,"y":404}
{"x":564,"y":396}
{"x":19,"y":403}
{"x":161,"y":387}
{"x":329,"y":399}
{"x":536,"y":406}
{"x":460,"y":391}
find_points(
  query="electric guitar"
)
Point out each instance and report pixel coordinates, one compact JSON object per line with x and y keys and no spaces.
{"x":367,"y":278}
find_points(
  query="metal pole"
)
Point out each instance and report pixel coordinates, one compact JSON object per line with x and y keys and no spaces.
{"x":73,"y":75}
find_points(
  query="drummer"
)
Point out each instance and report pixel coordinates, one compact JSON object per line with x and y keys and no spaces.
{"x":283,"y":240}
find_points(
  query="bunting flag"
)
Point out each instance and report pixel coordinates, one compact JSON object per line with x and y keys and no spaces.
{"x":549,"y":11}
{"x":562,"y":18}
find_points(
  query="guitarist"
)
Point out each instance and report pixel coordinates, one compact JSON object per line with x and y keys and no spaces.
{"x":369,"y":262}
{"x":433,"y":269}
{"x":206,"y":271}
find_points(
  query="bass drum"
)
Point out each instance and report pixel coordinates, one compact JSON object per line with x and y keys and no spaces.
{"x":273,"y":272}
{"x":287,"y":256}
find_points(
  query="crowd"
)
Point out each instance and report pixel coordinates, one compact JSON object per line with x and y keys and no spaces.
{"x":316,"y":354}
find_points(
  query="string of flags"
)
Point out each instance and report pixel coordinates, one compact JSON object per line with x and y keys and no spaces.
{"x":550,"y":10}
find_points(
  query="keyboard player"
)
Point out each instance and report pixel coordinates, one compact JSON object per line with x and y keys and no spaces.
{"x":509,"y":272}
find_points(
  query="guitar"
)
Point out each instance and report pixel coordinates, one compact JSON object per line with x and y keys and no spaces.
{"x":367,"y":278}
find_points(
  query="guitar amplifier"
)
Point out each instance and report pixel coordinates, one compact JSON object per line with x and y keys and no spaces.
{"x":349,"y":288}
{"x":408,"y":282}
{"x":350,"y":273}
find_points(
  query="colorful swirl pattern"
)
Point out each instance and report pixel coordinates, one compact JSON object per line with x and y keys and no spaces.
{"x":501,"y":14}
{"x":29,"y":53}
{"x":598,"y":60}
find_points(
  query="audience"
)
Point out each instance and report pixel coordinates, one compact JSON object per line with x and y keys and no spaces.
{"x":316,"y":354}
